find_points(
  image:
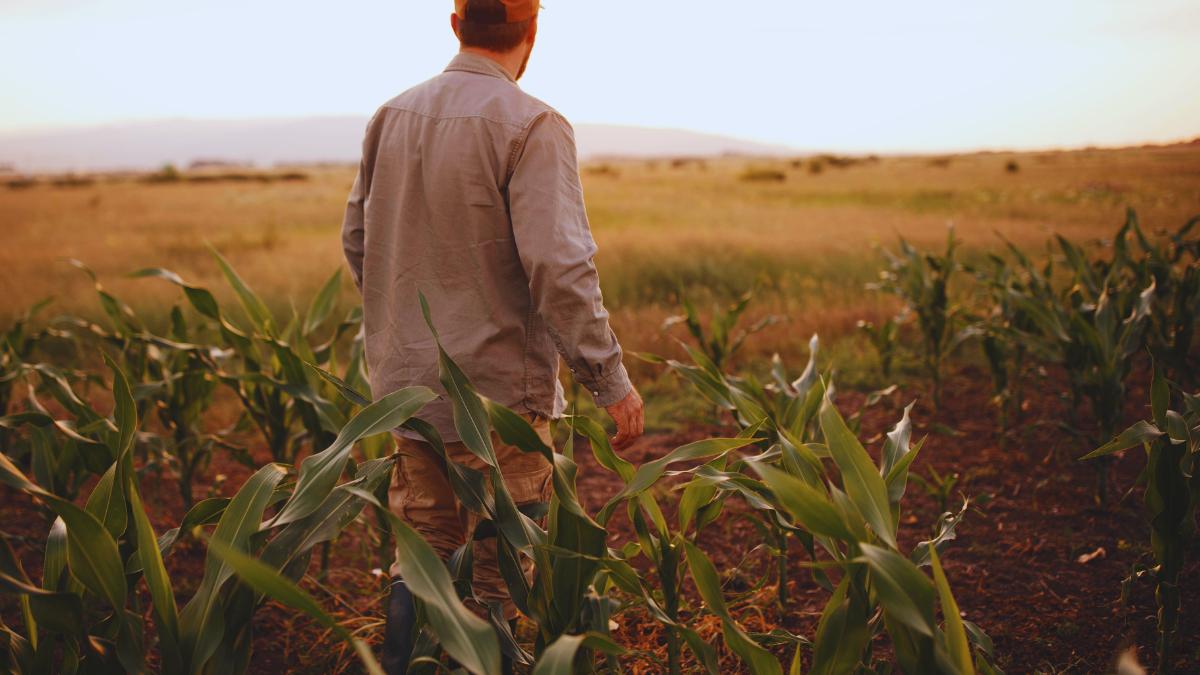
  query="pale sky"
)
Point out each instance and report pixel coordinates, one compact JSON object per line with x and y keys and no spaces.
{"x":857,"y":76}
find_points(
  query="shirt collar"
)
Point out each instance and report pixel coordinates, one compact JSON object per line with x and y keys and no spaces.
{"x":474,"y":63}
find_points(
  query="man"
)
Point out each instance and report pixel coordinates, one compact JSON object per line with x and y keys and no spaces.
{"x":469,"y":192}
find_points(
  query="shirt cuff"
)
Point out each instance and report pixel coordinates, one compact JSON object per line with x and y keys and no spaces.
{"x":613,"y":388}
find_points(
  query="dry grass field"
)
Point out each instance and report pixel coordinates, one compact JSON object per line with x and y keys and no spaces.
{"x":803,"y":232}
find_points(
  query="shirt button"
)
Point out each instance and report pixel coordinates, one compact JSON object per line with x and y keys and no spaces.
{"x":595,"y":393}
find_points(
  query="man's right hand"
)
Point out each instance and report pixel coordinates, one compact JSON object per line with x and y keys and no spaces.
{"x":630,"y":419}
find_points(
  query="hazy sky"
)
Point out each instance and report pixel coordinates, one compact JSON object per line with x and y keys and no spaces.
{"x":883,"y":75}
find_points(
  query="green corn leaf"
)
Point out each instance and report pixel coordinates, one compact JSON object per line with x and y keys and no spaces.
{"x":166,"y":614}
{"x":125,"y":414}
{"x":473,"y":424}
{"x":559,"y":657}
{"x":470,"y":418}
{"x":904,"y":593}
{"x":255,"y":308}
{"x":1160,"y":398}
{"x":466,"y":637}
{"x":324,"y":524}
{"x":863,"y":484}
{"x":516,"y":431}
{"x":56,"y":556}
{"x":271,"y":583}
{"x":92,"y":553}
{"x":897,"y":444}
{"x":319,"y":473}
{"x":842,"y":634}
{"x":649,"y":473}
{"x":956,"y":635}
{"x":205,"y":512}
{"x":322,"y":304}
{"x":1139,"y":433}
{"x":708,"y":584}
{"x":344,"y":388}
{"x":602,"y":448}
{"x":107,"y":502}
{"x":811,"y":508}
{"x":201,"y":623}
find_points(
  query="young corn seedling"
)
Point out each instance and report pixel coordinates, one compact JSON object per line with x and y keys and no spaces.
{"x":17,"y":345}
{"x":1094,"y":329}
{"x":61,"y":452}
{"x":1000,"y":332}
{"x":880,"y":589}
{"x":939,"y":487}
{"x":884,"y":338}
{"x":852,"y":514}
{"x":723,"y":338}
{"x":922,"y":281}
{"x":1171,"y":439}
{"x":1173,"y":264}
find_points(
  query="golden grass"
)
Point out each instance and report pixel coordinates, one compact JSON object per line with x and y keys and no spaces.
{"x":807,"y":241}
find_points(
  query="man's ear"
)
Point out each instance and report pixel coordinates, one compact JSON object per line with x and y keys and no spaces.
{"x":454,"y":25}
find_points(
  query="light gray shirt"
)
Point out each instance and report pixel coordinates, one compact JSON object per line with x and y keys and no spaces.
{"x":469,"y":192}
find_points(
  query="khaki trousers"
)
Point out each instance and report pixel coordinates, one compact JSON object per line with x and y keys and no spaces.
{"x":420,"y":494}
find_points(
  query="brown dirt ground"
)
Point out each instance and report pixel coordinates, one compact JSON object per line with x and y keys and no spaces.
{"x":1014,"y":568}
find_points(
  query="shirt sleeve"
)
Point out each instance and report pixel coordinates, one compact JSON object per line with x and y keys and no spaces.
{"x":556,"y":248}
{"x":352,"y":227}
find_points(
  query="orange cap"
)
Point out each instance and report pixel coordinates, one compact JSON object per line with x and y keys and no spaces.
{"x":496,"y":11}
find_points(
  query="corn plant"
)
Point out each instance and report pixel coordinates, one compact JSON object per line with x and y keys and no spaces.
{"x":1094,"y":328}
{"x":61,"y":452}
{"x":852,"y":514}
{"x":265,"y":364}
{"x":172,"y":379}
{"x":16,"y":347}
{"x":1173,"y":264}
{"x":854,"y":520}
{"x":666,"y":550}
{"x":792,"y":403}
{"x":922,"y":281}
{"x":723,"y":338}
{"x":562,"y":599}
{"x":884,"y":338}
{"x":1000,"y":332}
{"x":1171,"y":439}
{"x":84,"y":616}
{"x":938,"y":486}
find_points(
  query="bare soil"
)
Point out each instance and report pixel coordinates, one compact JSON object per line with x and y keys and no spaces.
{"x":1037,"y":564}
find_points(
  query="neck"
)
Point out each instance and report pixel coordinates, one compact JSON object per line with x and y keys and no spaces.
{"x":511,"y":61}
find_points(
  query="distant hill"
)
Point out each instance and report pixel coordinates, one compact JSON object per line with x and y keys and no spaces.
{"x":265,"y":142}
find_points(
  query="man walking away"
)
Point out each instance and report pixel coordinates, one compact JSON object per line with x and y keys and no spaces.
{"x":469,"y":192}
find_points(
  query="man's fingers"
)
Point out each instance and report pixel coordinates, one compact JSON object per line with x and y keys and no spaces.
{"x":628,"y":416}
{"x":624,"y":436}
{"x":621,"y":439}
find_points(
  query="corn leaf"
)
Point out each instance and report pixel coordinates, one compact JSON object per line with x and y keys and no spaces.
{"x":319,"y":473}
{"x":269,"y":582}
{"x":956,"y":635}
{"x":863,"y":484}
{"x":466,"y":637}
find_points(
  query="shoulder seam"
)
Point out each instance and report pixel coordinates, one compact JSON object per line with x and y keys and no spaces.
{"x":519,"y":142}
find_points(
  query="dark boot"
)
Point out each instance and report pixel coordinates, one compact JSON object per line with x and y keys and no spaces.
{"x":398,"y":635}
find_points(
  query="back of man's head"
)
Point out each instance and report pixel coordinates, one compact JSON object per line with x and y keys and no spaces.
{"x":494,"y":25}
